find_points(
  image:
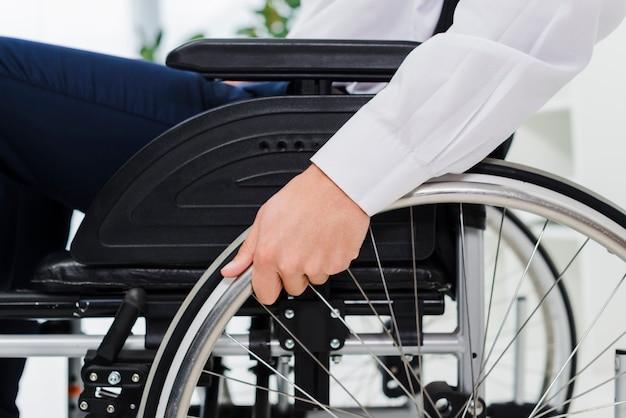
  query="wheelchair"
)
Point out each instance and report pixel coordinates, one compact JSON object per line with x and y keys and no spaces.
{"x":457,"y":305}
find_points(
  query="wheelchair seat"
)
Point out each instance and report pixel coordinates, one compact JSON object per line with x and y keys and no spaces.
{"x":181,"y":200}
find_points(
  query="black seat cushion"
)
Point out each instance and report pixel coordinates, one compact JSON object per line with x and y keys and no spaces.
{"x":60,"y":273}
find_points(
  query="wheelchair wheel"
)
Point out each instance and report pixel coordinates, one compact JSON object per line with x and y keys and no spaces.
{"x":497,"y":341}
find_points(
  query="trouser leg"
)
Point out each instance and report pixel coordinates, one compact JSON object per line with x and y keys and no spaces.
{"x":31,"y":226}
{"x":68,"y":120}
{"x":12,"y":368}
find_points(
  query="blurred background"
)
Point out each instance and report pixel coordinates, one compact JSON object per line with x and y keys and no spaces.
{"x":578,"y":135}
{"x":141,"y":28}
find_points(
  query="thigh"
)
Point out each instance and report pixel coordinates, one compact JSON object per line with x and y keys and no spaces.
{"x":69,"y":118}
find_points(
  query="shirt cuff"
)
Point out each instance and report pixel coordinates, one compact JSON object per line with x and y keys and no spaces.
{"x":369,"y":164}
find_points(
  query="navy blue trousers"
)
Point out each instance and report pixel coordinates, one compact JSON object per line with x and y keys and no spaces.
{"x":68,"y":120}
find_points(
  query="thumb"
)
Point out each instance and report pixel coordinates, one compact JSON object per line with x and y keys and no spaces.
{"x":244,"y":257}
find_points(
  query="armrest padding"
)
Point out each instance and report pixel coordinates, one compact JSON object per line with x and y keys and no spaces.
{"x":290,"y":59}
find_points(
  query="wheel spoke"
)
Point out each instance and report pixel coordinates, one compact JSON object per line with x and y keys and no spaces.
{"x":457,"y":308}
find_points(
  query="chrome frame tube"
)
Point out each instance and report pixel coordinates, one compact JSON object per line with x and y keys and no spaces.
{"x":58,"y":345}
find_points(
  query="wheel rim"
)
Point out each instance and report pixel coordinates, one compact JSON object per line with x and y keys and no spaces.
{"x":466,"y":188}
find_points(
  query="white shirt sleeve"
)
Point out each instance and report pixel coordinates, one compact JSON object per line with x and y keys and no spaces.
{"x":459,"y":94}
{"x":413,"y":20}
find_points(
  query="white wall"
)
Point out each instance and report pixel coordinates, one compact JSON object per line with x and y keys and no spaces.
{"x":99,"y":25}
{"x":116,"y":26}
{"x":598,"y":115}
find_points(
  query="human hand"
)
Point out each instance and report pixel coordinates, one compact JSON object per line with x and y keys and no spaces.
{"x":306,"y":232}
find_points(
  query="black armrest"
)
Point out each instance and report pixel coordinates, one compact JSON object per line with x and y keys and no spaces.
{"x":291,"y":59}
